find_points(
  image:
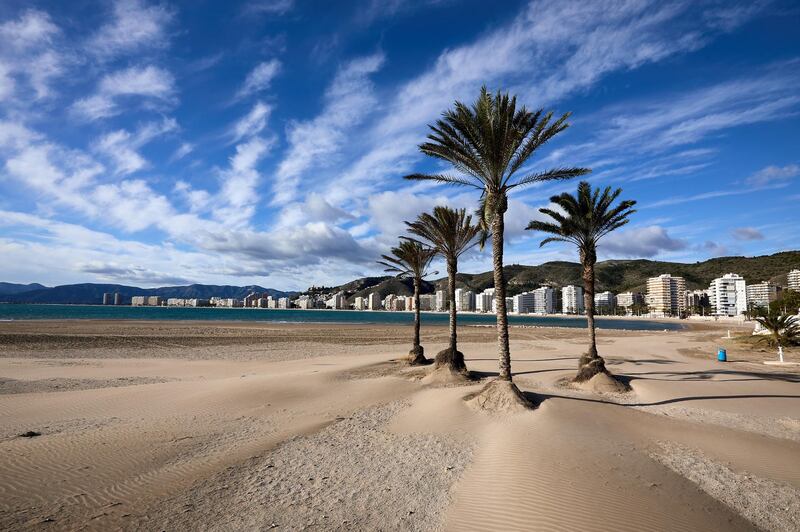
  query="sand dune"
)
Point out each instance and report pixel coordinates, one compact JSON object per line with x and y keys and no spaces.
{"x":240,"y":432}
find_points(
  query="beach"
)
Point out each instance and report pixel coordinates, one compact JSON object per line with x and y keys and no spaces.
{"x":244,"y":425}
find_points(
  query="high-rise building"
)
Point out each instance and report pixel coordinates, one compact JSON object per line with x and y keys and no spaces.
{"x":284,"y":302}
{"x":360,"y":303}
{"x":483,"y":301}
{"x":697,"y":299}
{"x":794,"y":280}
{"x":117,"y":298}
{"x":524,"y":303}
{"x":666,"y":295}
{"x":627,"y":300}
{"x":108,"y":298}
{"x":427,"y":301}
{"x":728,"y":295}
{"x":465,"y":300}
{"x":544,"y":300}
{"x":572,"y":300}
{"x":604,"y":302}
{"x":441,"y":301}
{"x":374,"y":301}
{"x":337,"y":302}
{"x":761,"y":294}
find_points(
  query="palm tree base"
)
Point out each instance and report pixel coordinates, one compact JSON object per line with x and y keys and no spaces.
{"x":416,"y":357}
{"x":589,"y":366}
{"x":593,"y":376}
{"x":452,"y":359}
{"x":500,"y":396}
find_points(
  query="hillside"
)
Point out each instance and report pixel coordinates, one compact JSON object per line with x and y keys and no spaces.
{"x":91,"y":293}
{"x":14,"y":288}
{"x":614,"y":275}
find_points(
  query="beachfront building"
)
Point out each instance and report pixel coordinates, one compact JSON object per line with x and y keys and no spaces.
{"x":524,"y":303}
{"x":666,"y":295}
{"x":139,"y":301}
{"x":427,"y":301}
{"x":117,"y":298}
{"x":604,"y":302}
{"x":262,"y":302}
{"x":227,"y":302}
{"x":544,"y":300}
{"x":337,"y":302}
{"x":284,"y":303}
{"x":441,"y":301}
{"x":628,"y":300}
{"x":465,"y":300}
{"x":304,"y":302}
{"x":198,"y":303}
{"x":728,"y":295}
{"x":108,"y":298}
{"x":374,"y":301}
{"x":483,"y":301}
{"x":697,"y":299}
{"x":509,"y":304}
{"x":360,"y":303}
{"x":761,"y":294}
{"x":176,"y":302}
{"x":572,"y":300}
{"x":794,"y":280}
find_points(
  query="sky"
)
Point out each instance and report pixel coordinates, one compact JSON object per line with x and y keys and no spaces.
{"x":264,"y":142}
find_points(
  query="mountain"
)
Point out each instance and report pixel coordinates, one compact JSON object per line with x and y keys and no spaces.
{"x":613,"y":275}
{"x":14,"y":288}
{"x":91,"y":293}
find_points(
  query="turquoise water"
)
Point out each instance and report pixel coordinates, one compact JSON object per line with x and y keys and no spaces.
{"x":97,"y":312}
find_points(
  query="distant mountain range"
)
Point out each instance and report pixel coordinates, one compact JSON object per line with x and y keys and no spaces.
{"x":613,"y":275}
{"x":91,"y":293}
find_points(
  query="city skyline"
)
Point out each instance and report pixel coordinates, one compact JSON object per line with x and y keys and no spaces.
{"x":142,"y":143}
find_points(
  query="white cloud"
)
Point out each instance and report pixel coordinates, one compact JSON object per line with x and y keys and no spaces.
{"x":134,"y":26}
{"x":33,"y":28}
{"x":347,"y":101}
{"x":148,"y":82}
{"x":121,"y":146}
{"x":237,"y":196}
{"x":252,"y":123}
{"x":268,"y":7}
{"x":640,"y":242}
{"x":259,"y":78}
{"x":183,"y":150}
{"x":773,"y":174}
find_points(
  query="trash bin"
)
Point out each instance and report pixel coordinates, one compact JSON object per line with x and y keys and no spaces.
{"x":722,"y":355}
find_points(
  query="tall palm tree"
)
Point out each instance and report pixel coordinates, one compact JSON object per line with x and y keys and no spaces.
{"x":451,"y":233}
{"x":489,"y":144}
{"x":410,"y":260}
{"x":586,"y":218}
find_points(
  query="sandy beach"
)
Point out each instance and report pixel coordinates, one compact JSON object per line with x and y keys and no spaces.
{"x":190,"y":425}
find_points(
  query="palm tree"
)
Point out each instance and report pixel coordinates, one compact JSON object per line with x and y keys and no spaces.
{"x":586,"y":218}
{"x":784,"y":329}
{"x":489,"y":143}
{"x":410,"y":260}
{"x":451,"y":233}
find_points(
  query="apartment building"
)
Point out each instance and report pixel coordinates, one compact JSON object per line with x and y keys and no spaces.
{"x":572,"y":300}
{"x":666,"y":295}
{"x":794,"y":280}
{"x":761,"y":294}
{"x":728,"y":295}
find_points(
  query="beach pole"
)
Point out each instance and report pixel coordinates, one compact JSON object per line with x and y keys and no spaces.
{"x":780,"y":353}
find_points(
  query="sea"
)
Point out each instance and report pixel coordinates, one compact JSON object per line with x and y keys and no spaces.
{"x":10,"y":312}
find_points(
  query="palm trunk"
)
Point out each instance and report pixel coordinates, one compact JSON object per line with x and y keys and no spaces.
{"x":591,"y":363}
{"x":498,"y":226}
{"x":416,"y":313}
{"x":452,"y":268}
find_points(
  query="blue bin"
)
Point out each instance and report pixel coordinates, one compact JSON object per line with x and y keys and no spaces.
{"x":722,"y":355}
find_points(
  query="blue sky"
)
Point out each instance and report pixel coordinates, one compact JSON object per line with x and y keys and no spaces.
{"x":264,"y":142}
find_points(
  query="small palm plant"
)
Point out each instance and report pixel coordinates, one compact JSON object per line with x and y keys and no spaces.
{"x":450,"y":233}
{"x":587,"y":217}
{"x":490,"y":144}
{"x":410,"y":260}
{"x":784,"y":329}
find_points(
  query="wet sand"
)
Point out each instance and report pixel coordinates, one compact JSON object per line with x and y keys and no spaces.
{"x":153,"y":425}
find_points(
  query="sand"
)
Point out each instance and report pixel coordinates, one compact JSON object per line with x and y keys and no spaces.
{"x":152,"y":426}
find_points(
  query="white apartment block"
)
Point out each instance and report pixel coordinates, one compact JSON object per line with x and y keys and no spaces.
{"x":441,"y":301}
{"x":544,"y":300}
{"x":666,"y":295}
{"x":465,"y":300}
{"x":272,"y":302}
{"x":524,"y":303}
{"x":628,"y":299}
{"x":728,"y":295}
{"x":374,"y":301}
{"x":794,"y":280}
{"x":139,"y":301}
{"x":483,"y":301}
{"x":697,"y":298}
{"x":604,"y":301}
{"x":337,"y":302}
{"x":427,"y":301}
{"x":360,"y":303}
{"x":761,"y":294}
{"x":509,"y":304}
{"x":572,"y":300}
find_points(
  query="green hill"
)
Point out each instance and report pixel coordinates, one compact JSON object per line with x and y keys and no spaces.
{"x":614,"y":275}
